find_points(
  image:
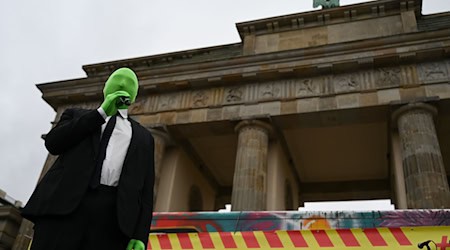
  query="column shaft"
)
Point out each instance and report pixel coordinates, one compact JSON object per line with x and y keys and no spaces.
{"x":423,"y":167}
{"x":161,"y":140}
{"x":250,"y":182}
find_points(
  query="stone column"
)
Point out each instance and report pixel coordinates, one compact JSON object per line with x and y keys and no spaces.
{"x":161,"y":141}
{"x":397,"y":171}
{"x":250,"y":182}
{"x":423,"y":167}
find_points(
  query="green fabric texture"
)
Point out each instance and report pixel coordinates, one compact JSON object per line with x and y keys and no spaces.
{"x":121,"y":83}
{"x":135,"y":245}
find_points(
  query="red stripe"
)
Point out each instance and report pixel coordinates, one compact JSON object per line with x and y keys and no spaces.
{"x":250,"y":240}
{"x":400,"y":237}
{"x":206,"y":241}
{"x":227,"y":239}
{"x":297,"y":239}
{"x":348,"y":238}
{"x":322,"y":238}
{"x":273,"y":239}
{"x":164,"y":241}
{"x":374,"y":237}
{"x":185,"y":241}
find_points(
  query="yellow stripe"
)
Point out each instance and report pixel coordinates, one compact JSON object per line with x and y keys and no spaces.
{"x":195,"y":240}
{"x":217,"y":241}
{"x":309,"y":238}
{"x":173,"y":238}
{"x":262,"y":241}
{"x":240,"y":243}
{"x":286,"y":240}
{"x":389,"y":237}
{"x":154,"y":242}
{"x":335,"y":239}
{"x":361,"y":238}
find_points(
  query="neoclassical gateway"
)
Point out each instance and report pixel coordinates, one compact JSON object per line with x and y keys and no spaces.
{"x":343,"y":103}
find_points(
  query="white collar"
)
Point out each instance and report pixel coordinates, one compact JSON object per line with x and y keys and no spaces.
{"x":123,"y":113}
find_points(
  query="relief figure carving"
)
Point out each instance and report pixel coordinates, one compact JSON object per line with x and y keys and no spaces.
{"x":234,"y":94}
{"x":166,"y":102}
{"x":347,"y":82}
{"x":200,"y":99}
{"x":268,"y":91}
{"x":305,"y":87}
{"x":389,"y":76}
{"x":433,"y":71}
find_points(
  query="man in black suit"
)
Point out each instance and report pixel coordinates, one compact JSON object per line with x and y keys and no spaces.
{"x":99,"y":192}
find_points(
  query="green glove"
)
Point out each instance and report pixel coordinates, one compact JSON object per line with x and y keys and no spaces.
{"x":135,"y":245}
{"x":109,"y":104}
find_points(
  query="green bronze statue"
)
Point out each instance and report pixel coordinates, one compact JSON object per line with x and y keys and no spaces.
{"x":326,"y":4}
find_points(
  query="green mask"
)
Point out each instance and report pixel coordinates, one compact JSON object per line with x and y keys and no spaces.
{"x":123,"y":79}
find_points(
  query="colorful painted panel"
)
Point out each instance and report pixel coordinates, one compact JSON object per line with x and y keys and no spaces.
{"x":295,"y":220}
{"x":373,"y":238}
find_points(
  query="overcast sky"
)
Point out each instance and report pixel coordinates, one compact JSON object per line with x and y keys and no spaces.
{"x":50,"y":40}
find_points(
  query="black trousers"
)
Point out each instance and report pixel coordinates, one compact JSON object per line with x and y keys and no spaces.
{"x":93,"y":225}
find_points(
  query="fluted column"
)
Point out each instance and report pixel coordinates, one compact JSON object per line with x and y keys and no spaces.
{"x":423,"y":167}
{"x":249,"y":183}
{"x":161,"y":141}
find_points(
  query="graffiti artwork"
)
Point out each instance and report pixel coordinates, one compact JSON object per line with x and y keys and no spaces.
{"x":295,"y":220}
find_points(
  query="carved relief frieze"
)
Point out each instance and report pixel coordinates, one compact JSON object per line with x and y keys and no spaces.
{"x":283,"y":89}
{"x":269,"y":90}
{"x":307,"y":87}
{"x":388,"y":77}
{"x":200,"y":98}
{"x":346,"y":83}
{"x":433,"y":72}
{"x":168,"y":101}
{"x":234,"y":94}
{"x":138,"y":106}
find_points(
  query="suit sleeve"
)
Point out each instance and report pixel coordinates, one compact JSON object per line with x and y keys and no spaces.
{"x":71,"y":129}
{"x":146,"y":212}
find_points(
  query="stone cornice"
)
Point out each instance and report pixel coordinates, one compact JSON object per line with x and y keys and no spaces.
{"x":166,"y":60}
{"x":342,"y":57}
{"x":328,"y":16}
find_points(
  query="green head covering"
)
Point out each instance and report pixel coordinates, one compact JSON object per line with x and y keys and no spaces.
{"x":123,"y":79}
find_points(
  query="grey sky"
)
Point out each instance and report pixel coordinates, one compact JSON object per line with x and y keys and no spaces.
{"x":44,"y":41}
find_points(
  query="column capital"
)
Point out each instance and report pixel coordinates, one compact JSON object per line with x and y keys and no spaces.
{"x":266,"y":127}
{"x":413,"y":106}
{"x":161,"y":134}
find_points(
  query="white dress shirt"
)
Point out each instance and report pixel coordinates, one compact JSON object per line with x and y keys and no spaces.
{"x":117,"y":148}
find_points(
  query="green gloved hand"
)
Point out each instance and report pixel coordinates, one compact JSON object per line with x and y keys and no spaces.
{"x":122,"y":82}
{"x":135,"y":245}
{"x":109,"y":105}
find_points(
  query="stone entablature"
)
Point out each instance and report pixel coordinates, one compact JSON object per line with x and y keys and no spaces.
{"x":299,"y":95}
{"x":363,"y":11}
{"x":363,"y":88}
{"x":312,"y":61}
{"x":298,"y":88}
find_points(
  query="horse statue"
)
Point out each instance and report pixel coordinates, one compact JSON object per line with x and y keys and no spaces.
{"x":326,"y":4}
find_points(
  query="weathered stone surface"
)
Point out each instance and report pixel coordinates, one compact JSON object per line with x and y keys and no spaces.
{"x":423,"y":167}
{"x":249,"y":184}
{"x":411,"y":93}
{"x":388,"y":95}
{"x":161,"y":141}
{"x":10,"y":221}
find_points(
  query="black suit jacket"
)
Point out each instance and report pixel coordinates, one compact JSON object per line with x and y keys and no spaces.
{"x":76,"y":139}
